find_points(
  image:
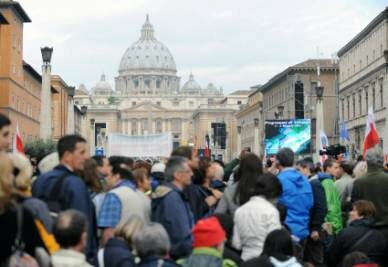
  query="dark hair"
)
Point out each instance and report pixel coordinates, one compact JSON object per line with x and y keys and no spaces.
{"x":227,"y":223}
{"x":360,"y":158}
{"x":278,"y":242}
{"x":140,"y":174}
{"x":318,"y":166}
{"x":4,"y":121}
{"x":306,"y":163}
{"x":141,"y":164}
{"x":285,"y":157}
{"x":68,"y":143}
{"x":328,"y":164}
{"x":347,"y":166}
{"x":183,"y":151}
{"x":268,"y":186}
{"x":246,"y":175}
{"x":91,"y":177}
{"x":365,"y":208}
{"x":117,"y":160}
{"x":355,"y":258}
{"x":123,"y":171}
{"x":268,"y":163}
{"x":69,"y":227}
{"x":99,"y":160}
{"x":200,"y":175}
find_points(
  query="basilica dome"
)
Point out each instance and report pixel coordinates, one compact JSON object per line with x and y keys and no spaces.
{"x":102,"y":87}
{"x":147,"y":53}
{"x":191,"y":84}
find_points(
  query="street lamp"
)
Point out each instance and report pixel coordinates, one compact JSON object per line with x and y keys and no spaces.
{"x":92,"y":122}
{"x":84,"y":109}
{"x":256,"y":122}
{"x":45,"y":117}
{"x":319,"y":92}
{"x":239,"y":129}
{"x":46,"y":54}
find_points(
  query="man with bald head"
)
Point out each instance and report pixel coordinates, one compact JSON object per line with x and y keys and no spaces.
{"x":70,"y":231}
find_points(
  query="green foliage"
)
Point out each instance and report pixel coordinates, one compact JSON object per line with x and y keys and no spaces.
{"x":111,"y":100}
{"x":40,"y":148}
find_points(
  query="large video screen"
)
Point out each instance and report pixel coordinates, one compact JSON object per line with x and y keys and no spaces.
{"x":295,"y":134}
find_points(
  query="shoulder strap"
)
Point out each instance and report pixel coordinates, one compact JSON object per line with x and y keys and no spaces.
{"x":18,"y":244}
{"x":361,"y":239}
{"x":56,"y":189}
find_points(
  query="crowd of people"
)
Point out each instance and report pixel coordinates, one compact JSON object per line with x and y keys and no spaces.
{"x":77,"y":210}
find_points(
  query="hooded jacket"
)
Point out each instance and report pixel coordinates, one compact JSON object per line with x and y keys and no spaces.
{"x":374,"y":245}
{"x":297,"y":196}
{"x":206,"y":256}
{"x":319,"y":210}
{"x":171,"y":209}
{"x":118,"y":254}
{"x":333,"y":203}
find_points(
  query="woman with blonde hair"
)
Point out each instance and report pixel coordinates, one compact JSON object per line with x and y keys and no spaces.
{"x":9,"y":216}
{"x":118,"y":249}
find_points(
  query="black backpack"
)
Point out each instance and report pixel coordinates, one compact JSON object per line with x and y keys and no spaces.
{"x":55,"y":199}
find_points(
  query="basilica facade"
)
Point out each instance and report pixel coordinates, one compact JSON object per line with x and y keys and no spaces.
{"x":148,"y":97}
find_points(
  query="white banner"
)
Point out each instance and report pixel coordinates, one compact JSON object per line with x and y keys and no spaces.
{"x":153,"y":145}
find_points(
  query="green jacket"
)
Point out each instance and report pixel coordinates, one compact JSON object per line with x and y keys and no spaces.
{"x":206,"y":256}
{"x":334,"y":212}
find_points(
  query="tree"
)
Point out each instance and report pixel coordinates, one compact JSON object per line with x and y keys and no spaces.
{"x":40,"y":148}
{"x":111,"y":100}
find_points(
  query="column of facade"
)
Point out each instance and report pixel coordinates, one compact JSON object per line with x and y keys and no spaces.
{"x":139,"y":127}
{"x":45,"y":104}
{"x":70,"y":116}
{"x":153,"y":85}
{"x":129,"y":127}
{"x":238,"y":140}
{"x":256,"y":138}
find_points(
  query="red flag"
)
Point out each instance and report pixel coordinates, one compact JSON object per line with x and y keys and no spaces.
{"x":18,"y":142}
{"x":371,"y":136}
{"x":207,"y":144}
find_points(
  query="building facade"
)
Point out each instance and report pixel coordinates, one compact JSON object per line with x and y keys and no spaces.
{"x":363,"y":81}
{"x":250,"y":131}
{"x":148,"y":97}
{"x":291,"y":94}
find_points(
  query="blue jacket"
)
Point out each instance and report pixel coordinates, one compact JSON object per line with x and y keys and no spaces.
{"x":171,"y":209}
{"x":298,"y":198}
{"x":157,"y":262}
{"x":118,"y":254}
{"x":75,"y":195}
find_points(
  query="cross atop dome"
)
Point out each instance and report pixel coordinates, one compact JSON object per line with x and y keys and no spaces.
{"x":147,"y":31}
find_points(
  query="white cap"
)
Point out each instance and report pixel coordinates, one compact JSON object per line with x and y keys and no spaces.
{"x":158,"y":167}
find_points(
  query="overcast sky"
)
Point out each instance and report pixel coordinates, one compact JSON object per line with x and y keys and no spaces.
{"x":234,"y":44}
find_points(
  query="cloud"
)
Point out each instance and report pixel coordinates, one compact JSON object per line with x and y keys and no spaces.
{"x":232,"y":44}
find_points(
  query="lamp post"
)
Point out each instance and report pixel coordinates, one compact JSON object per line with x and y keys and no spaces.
{"x":319,"y":119}
{"x":92,"y":137}
{"x":45,"y":95}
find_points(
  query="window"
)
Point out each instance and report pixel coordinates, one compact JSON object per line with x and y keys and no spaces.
{"x":144,"y":126}
{"x":239,"y":102}
{"x":210,"y":101}
{"x":191,"y":103}
{"x":176,"y":125}
{"x":136,"y":83}
{"x":158,"y":103}
{"x":157,"y":83}
{"x":360,"y":102}
{"x":366,"y":99}
{"x":175,"y":103}
{"x":381,"y":92}
{"x":133,"y":103}
{"x":343,"y":108}
{"x":348,"y":107}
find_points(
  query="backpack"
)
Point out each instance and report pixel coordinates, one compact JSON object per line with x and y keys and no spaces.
{"x":54,"y":199}
{"x":19,"y":258}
